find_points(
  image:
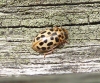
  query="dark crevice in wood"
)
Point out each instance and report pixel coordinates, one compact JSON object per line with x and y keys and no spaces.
{"x":15,"y":41}
{"x":59,"y":4}
{"x":80,"y":24}
{"x":83,"y":24}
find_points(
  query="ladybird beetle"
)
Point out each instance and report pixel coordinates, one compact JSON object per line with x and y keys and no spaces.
{"x":49,"y":39}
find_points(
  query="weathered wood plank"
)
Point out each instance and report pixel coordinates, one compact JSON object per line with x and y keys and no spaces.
{"x":45,"y":2}
{"x":82,"y":55}
{"x":69,"y":78}
{"x":21,"y":18}
{"x":31,"y":16}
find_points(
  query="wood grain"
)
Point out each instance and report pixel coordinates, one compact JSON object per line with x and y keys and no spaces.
{"x":21,"y":20}
{"x":69,"y":78}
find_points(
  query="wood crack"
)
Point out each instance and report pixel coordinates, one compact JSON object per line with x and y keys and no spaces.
{"x":72,"y":24}
{"x":59,"y":4}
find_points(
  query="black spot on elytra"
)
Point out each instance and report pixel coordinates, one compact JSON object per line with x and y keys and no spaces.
{"x":51,"y":29}
{"x":60,"y":30}
{"x":45,"y":41}
{"x":62,"y":37}
{"x":41,"y":43}
{"x":56,"y":30}
{"x":50,"y":43}
{"x":59,"y":35}
{"x":49,"y":33}
{"x":38,"y":47}
{"x":42,"y":36}
{"x":51,"y":38}
{"x":56,"y":39}
{"x":43,"y":48}
{"x":43,"y":32}
{"x":37,"y":38}
{"x":54,"y":33}
{"x":48,"y":48}
{"x":55,"y":44}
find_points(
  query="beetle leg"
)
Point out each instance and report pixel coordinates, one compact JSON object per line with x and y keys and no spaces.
{"x":63,"y":41}
{"x":48,"y":53}
{"x":66,"y":42}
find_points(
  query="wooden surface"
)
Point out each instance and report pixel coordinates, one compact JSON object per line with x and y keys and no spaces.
{"x":20,"y":20}
{"x":69,"y":78}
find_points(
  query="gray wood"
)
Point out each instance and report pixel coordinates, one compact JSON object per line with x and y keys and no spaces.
{"x":20,"y":20}
{"x":69,"y":78}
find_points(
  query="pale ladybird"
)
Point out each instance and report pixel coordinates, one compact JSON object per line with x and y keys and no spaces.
{"x":49,"y":39}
